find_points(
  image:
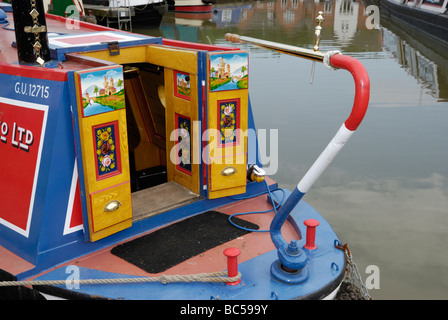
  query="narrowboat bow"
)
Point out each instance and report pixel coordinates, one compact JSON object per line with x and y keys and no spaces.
{"x":130,"y":165}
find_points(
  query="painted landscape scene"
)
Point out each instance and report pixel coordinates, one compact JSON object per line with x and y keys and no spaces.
{"x":102,"y":91}
{"x":228,"y":71}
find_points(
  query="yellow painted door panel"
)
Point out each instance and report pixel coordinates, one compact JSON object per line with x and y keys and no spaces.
{"x":227,"y":123}
{"x":111,"y":206}
{"x":228,"y":172}
{"x":182,"y":112}
{"x":102,"y":150}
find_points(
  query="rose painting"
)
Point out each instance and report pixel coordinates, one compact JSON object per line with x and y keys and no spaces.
{"x":106,"y":149}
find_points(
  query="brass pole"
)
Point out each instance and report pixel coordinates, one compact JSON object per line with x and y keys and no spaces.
{"x":284,"y":48}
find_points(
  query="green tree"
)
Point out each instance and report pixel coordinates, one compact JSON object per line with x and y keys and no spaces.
{"x":120,"y":83}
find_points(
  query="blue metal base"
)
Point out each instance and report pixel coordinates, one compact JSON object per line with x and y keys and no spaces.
{"x":296,"y":277}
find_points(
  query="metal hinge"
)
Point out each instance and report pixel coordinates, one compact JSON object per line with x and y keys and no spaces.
{"x":114,"y":48}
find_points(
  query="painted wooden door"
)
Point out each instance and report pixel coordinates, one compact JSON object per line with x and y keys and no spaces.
{"x":182,"y":105}
{"x":227,"y":121}
{"x":102,"y":150}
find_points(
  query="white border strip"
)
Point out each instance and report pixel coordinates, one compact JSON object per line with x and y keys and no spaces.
{"x":58,"y":40}
{"x":71,"y":200}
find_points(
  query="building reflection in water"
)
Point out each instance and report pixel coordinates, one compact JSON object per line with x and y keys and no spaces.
{"x":292,"y":22}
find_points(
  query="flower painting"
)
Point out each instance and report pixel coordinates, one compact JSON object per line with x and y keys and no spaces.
{"x":228,"y":71}
{"x":106,"y":149}
{"x":228,"y":121}
{"x":102,"y":90}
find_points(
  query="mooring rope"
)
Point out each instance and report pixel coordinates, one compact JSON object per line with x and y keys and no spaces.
{"x":199,"y":277}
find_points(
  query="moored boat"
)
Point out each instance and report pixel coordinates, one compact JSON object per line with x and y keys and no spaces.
{"x":131,"y":171}
{"x":191,"y":6}
{"x":147,"y":12}
{"x":427,"y":16}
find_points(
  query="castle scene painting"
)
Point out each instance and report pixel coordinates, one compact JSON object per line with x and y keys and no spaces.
{"x":182,"y":85}
{"x":102,"y":90}
{"x":228,"y":71}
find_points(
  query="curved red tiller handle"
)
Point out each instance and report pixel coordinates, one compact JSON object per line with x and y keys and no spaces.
{"x":362,"y":88}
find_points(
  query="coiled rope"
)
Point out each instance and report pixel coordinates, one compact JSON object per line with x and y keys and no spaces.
{"x":199,"y":277}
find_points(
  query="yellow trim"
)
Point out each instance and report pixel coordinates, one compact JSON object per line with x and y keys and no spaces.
{"x":127,"y":55}
{"x":179,"y":59}
{"x":172,"y":58}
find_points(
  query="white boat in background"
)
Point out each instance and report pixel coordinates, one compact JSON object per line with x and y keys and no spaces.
{"x":148,"y":12}
{"x":191,"y":6}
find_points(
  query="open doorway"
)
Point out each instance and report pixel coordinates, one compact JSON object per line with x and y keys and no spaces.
{"x":152,"y":191}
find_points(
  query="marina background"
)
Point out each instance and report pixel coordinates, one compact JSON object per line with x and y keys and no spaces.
{"x":386,"y":194}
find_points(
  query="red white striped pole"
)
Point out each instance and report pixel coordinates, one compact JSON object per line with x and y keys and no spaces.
{"x":362,"y":95}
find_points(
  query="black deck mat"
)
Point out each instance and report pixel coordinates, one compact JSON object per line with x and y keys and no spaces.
{"x":167,"y":247}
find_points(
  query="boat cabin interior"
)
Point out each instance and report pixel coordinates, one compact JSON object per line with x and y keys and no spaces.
{"x":145,"y":117}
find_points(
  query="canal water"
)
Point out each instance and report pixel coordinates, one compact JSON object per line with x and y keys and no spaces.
{"x":386,"y":193}
{"x":96,"y":108}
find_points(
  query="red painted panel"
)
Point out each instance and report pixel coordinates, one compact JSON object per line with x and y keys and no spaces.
{"x":76,"y":218}
{"x":20,"y":140}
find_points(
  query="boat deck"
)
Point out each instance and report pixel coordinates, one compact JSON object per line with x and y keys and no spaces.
{"x":163,"y":197}
{"x":252,"y":244}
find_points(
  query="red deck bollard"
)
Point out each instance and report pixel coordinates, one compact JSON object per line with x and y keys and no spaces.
{"x":311,"y":225}
{"x":232,"y":264}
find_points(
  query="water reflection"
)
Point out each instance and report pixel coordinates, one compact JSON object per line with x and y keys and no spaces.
{"x":415,"y":63}
{"x":292,"y":22}
{"x":421,"y":60}
{"x":286,"y":21}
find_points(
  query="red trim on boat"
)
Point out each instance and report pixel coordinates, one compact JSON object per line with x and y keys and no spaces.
{"x":33,"y":72}
{"x":199,"y":8}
